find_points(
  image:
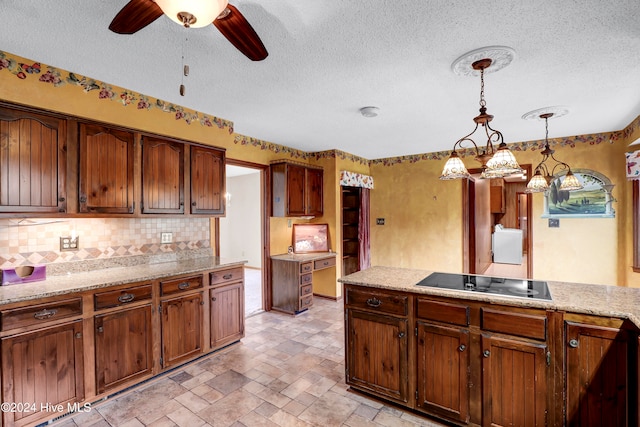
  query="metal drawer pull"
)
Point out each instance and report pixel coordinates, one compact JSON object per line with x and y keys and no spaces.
{"x":401,"y":335}
{"x":184,"y":285}
{"x":374,"y":302}
{"x":486,"y":353}
{"x":227,"y":276}
{"x":573,"y":343}
{"x":462,"y":347}
{"x":45,"y":314}
{"x":78,"y":335}
{"x":100,"y":329}
{"x":126,"y":297}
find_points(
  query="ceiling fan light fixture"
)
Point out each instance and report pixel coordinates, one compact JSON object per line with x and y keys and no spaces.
{"x":192,"y":13}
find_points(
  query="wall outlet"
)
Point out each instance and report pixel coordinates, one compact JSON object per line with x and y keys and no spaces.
{"x":166,"y":237}
{"x":69,"y":243}
{"x":554,"y":223}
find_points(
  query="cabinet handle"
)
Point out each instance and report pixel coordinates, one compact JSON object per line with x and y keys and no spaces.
{"x":126,"y":298}
{"x":227,"y":276}
{"x":401,"y":335}
{"x":45,"y":314}
{"x":100,"y":329}
{"x":573,"y":343}
{"x":462,"y":347}
{"x":78,"y":335}
{"x":83,"y":199}
{"x":213,"y":299}
{"x":61,"y":199}
{"x":193,"y":203}
{"x":201,"y":302}
{"x":374,"y":302}
{"x":184,"y":285}
{"x":486,"y":353}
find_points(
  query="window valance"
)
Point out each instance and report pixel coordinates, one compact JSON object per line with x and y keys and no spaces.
{"x":353,"y":179}
{"x":633,"y":164}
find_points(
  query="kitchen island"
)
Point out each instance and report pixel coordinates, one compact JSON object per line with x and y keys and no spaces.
{"x":76,"y":338}
{"x":476,"y":358}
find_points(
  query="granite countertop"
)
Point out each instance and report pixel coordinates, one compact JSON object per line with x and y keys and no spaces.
{"x":77,"y":282}
{"x":600,"y":300}
{"x":304,"y":257}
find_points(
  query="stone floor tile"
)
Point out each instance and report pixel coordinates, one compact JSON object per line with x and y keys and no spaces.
{"x":192,"y":402}
{"x":164,"y":421}
{"x":228,"y":382}
{"x":329,"y":410}
{"x":185,"y":418}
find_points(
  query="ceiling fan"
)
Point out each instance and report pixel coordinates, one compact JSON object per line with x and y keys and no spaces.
{"x":137,"y":14}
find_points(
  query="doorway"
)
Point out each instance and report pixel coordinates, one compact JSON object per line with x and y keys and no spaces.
{"x":241,"y":232}
{"x":479,"y":224}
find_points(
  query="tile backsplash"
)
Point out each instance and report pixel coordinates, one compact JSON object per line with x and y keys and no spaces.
{"x":37,"y":241}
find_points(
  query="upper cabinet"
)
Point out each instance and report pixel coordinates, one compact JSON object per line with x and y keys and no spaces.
{"x":32,"y":163}
{"x":162,"y":176}
{"x":207,"y":181}
{"x":106,"y":170}
{"x":296,"y":189}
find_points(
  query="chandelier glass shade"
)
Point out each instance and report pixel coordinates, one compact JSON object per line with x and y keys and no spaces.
{"x":543,"y":176}
{"x":192,"y":13}
{"x":495,"y":163}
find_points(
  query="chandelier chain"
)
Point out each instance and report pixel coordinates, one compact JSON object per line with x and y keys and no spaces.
{"x":483,"y":103}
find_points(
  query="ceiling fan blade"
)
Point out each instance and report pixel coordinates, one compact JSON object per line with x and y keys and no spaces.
{"x":136,"y":15}
{"x":241,"y":34}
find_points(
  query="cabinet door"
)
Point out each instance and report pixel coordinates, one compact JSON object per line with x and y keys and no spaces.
{"x":42,"y":367}
{"x":295,"y":190}
{"x":123,"y":347}
{"x":227,"y":314}
{"x":162,"y":176}
{"x":207,"y":181}
{"x":514,"y":382}
{"x":443,"y":371}
{"x":106,"y":170}
{"x":32,"y":163}
{"x":377,"y":354}
{"x":181,"y":328}
{"x":313,"y":192}
{"x":597,"y":375}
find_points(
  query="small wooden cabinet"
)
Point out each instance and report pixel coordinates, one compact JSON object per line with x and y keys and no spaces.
{"x":106,"y":170}
{"x":296,"y":189}
{"x":162,"y":176}
{"x":226,"y":306}
{"x":42,"y":359}
{"x":207,"y":181}
{"x":497,"y":199}
{"x":33,"y":161}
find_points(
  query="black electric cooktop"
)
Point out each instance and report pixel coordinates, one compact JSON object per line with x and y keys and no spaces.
{"x":522,"y":288}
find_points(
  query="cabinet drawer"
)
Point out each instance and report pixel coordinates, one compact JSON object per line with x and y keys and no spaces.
{"x":377,"y":301}
{"x":306,"y":302}
{"x":121,"y":297}
{"x":306,"y":267}
{"x":306,"y":278}
{"x":457,"y":314}
{"x":519,"y":324}
{"x":180,"y":285}
{"x":224,"y":276}
{"x":40,"y":314}
{"x":324,"y":263}
{"x":306,"y":290}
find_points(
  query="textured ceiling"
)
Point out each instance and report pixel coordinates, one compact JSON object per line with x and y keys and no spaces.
{"x":327,"y":59}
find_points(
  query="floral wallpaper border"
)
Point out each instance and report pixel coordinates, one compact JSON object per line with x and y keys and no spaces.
{"x":51,"y":75}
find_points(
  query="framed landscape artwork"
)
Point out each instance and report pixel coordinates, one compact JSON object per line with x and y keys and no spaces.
{"x":308,"y":238}
{"x":593,"y":201}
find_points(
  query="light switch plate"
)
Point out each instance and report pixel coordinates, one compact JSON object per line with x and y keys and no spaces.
{"x":554,"y":223}
{"x":166,"y":237}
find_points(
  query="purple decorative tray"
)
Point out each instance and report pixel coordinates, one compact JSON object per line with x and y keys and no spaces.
{"x":23,"y":274}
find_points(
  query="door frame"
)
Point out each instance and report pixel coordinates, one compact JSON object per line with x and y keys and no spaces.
{"x":468,"y":225}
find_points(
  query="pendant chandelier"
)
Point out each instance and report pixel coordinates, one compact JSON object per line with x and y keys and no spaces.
{"x":542,"y":175}
{"x":496,"y":163}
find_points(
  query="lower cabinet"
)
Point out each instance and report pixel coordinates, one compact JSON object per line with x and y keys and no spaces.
{"x":41,"y":370}
{"x":598,"y":374}
{"x":181,"y":326}
{"x":123,"y":347}
{"x":227,"y":314}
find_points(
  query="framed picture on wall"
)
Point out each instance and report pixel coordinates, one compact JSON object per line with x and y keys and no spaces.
{"x":308,"y":238}
{"x":594,"y":200}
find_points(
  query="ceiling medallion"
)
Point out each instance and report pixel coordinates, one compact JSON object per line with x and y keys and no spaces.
{"x":555,"y":111}
{"x":500,"y":56}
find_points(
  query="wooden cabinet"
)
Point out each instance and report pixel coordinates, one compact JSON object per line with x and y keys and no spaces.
{"x":226,"y":307}
{"x":292,"y":280}
{"x":106,"y":170}
{"x":123,"y":335}
{"x":296,"y":190}
{"x":162,"y":176}
{"x":42,"y":359}
{"x":597,"y":374}
{"x":33,"y":159}
{"x":377,"y":336}
{"x":181,"y":328}
{"x":497,"y":196}
{"x":207,"y":181}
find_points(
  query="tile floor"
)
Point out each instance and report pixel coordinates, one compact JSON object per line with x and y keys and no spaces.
{"x":287,"y":371}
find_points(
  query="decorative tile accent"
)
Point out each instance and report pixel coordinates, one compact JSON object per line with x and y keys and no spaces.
{"x":36,"y":241}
